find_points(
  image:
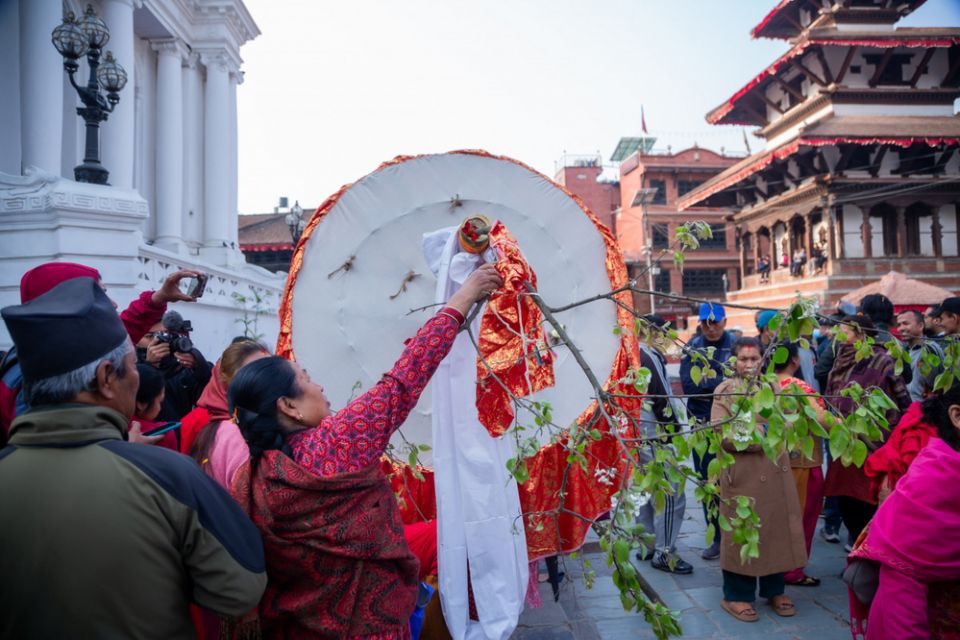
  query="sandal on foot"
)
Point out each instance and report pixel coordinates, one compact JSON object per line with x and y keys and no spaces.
{"x":783,"y":606}
{"x":806,"y":581}
{"x":747,"y":614}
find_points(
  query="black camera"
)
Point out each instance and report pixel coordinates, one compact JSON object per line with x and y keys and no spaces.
{"x":174,"y":329}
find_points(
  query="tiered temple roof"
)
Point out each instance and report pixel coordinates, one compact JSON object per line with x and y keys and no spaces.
{"x":790,"y":18}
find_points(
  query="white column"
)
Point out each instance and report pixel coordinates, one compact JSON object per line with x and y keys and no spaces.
{"x":216,"y":159}
{"x":236,"y":79}
{"x":117,"y":133}
{"x":169,"y":191}
{"x":193,"y":150}
{"x":41,"y":86}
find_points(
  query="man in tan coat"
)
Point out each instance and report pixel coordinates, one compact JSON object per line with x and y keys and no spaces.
{"x":771,"y":488}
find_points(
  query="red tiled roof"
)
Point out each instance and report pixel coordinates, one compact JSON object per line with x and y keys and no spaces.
{"x":919,"y":37}
{"x":945,"y":130}
{"x":901,"y":290}
{"x":762,"y":31}
{"x":265,"y":231}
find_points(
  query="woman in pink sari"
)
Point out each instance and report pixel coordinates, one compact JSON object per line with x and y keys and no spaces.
{"x":913,"y":538}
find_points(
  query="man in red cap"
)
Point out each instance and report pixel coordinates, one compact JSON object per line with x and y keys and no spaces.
{"x":137,"y":318}
{"x":101,"y":537}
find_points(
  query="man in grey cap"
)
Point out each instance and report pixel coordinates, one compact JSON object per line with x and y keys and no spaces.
{"x":103,"y":538}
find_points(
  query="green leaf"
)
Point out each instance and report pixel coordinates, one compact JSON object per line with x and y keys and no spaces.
{"x":713,"y":469}
{"x":765,"y":398}
{"x":859,"y":452}
{"x":696,"y":375}
{"x":780,"y":355}
{"x":839,"y":439}
{"x":621,"y":551}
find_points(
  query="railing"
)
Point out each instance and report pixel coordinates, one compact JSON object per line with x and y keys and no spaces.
{"x":578,"y":160}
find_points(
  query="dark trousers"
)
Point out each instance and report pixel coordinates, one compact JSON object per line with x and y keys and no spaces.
{"x":831,"y":510}
{"x":856,"y":514}
{"x":701,"y":465}
{"x":831,"y":515}
{"x":741,"y":588}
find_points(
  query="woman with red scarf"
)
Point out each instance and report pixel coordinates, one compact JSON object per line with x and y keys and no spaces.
{"x":913,"y":541}
{"x":337,"y":561}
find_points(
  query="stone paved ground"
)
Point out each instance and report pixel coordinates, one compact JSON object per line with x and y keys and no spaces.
{"x":596,"y":613}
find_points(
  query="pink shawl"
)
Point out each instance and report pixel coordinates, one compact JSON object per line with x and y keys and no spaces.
{"x":914,"y":530}
{"x":213,"y":405}
{"x":911,"y":531}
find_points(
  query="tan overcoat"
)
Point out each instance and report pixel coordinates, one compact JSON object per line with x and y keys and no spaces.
{"x":774,"y":491}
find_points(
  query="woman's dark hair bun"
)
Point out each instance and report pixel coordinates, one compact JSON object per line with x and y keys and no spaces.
{"x":252,"y":397}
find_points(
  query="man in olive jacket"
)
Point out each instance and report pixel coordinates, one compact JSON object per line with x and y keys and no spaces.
{"x":100,"y":537}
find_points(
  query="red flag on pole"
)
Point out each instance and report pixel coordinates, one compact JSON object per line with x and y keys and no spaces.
{"x":643,"y":120}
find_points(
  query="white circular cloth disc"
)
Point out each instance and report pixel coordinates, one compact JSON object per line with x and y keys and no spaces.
{"x":349,"y":328}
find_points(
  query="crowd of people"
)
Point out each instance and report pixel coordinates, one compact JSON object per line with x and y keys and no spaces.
{"x":918,"y":450}
{"x":151,"y":494}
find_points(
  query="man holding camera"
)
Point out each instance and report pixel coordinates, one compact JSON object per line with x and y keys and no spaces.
{"x":143,"y":312}
{"x":167,"y":346}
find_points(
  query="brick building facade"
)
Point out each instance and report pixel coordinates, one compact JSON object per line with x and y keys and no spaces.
{"x":708,"y":270}
{"x":581,"y":177}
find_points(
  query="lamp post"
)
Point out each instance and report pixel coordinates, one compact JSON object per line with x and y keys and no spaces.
{"x":643,"y":197}
{"x":72,"y":39}
{"x":295,"y":222}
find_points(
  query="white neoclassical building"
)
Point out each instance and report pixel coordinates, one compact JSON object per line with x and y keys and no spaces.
{"x":170,"y":147}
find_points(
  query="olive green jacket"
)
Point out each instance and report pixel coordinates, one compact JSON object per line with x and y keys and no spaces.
{"x":102,"y":538}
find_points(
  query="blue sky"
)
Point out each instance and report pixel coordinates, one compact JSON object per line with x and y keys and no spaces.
{"x":334,"y":88}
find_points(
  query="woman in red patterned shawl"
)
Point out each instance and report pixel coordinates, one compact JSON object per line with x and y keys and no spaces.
{"x":337,"y":561}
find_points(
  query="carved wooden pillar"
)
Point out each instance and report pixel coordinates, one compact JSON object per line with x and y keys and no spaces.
{"x":743,"y":253}
{"x":901,"y":231}
{"x":936,"y":232}
{"x":866,"y":235}
{"x":836,"y":249}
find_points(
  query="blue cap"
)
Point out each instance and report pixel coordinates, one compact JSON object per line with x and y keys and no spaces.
{"x":764,"y":318}
{"x":712,"y":311}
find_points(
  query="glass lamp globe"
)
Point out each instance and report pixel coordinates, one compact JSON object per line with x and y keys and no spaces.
{"x":111,"y":75}
{"x":94,"y":28}
{"x":69,"y":39}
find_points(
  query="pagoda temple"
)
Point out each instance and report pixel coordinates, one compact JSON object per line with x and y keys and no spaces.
{"x":861,"y":158}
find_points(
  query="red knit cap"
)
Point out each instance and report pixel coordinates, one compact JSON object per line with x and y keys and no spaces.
{"x":39,"y":280}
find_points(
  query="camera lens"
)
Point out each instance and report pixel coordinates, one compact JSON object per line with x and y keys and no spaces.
{"x":183,"y":344}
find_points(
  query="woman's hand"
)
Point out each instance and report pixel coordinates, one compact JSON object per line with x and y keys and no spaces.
{"x":478,"y":285}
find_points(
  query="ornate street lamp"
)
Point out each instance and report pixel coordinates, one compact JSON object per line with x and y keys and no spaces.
{"x":295,"y":222}
{"x":72,"y":39}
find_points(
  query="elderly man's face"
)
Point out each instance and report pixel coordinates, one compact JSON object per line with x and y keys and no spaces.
{"x":713,"y":330}
{"x":126,"y":397}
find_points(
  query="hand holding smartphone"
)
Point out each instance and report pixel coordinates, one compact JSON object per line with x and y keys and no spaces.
{"x":194,"y":286}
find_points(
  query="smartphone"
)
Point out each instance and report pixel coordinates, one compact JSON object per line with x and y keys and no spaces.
{"x":162,"y":429}
{"x":194,"y":286}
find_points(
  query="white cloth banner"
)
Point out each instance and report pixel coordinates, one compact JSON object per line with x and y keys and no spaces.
{"x":478,"y":505}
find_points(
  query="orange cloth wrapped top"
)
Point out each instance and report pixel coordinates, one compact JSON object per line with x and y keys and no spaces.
{"x":512,"y":345}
